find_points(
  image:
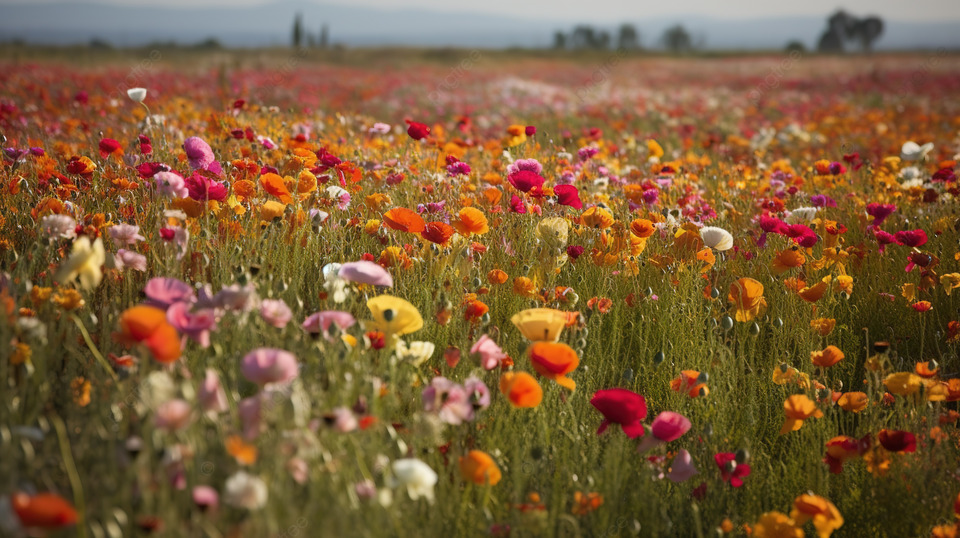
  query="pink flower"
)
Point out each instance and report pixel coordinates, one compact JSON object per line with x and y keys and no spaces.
{"x":211,"y":396}
{"x":250,"y":415}
{"x":365,"y":272}
{"x":128,"y":258}
{"x":883,"y":239}
{"x":163,"y":292}
{"x":206,"y":498}
{"x":880,"y":212}
{"x":911,"y":238}
{"x":195,"y":325}
{"x":525,"y":180}
{"x":343,"y":420}
{"x":449,"y":400}
{"x":320,"y":322}
{"x":682,"y":468}
{"x":568,"y":195}
{"x":530,"y":165}
{"x":623,"y":407}
{"x":730,"y":471}
{"x":268,"y":365}
{"x":669,"y":426}
{"x":170,"y":184}
{"x":173,"y":415}
{"x":125,"y":234}
{"x":490,"y":353}
{"x":275,"y":312}
{"x":203,"y":188}
{"x":201,"y":155}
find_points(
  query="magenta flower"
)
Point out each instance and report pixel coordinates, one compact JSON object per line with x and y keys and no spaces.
{"x":264,"y":366}
{"x":880,"y":212}
{"x":162,"y":292}
{"x":490,"y":353}
{"x":730,"y":470}
{"x":911,"y":238}
{"x":568,"y":195}
{"x":195,"y":325}
{"x":623,"y":407}
{"x":200,"y":155}
{"x":365,"y":272}
{"x":203,"y":188}
{"x":802,"y":235}
{"x":320,"y":322}
{"x":525,"y":180}
{"x":275,"y":312}
{"x":883,"y":239}
{"x":669,"y":426}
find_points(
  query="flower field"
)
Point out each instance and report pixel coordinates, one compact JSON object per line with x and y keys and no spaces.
{"x":523,"y":296}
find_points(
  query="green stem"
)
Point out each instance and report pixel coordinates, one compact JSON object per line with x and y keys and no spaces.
{"x":93,"y":348}
{"x":72,"y":473}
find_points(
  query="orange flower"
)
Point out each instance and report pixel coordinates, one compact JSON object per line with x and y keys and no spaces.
{"x":244,"y":189}
{"x":853,"y":401}
{"x":148,"y":325}
{"x":823,"y":326}
{"x":524,"y":286}
{"x":597,"y":217}
{"x":273,"y":184}
{"x":798,"y":408}
{"x":496,"y":276}
{"x":642,"y":228}
{"x":584,"y":503}
{"x":926,"y":369}
{"x":43,"y":510}
{"x":244,"y":453}
{"x":689,"y":381}
{"x":471,"y":220}
{"x":812,"y":294}
{"x":521,"y":389}
{"x":826,"y":518}
{"x":474,"y":309}
{"x":478,"y":467}
{"x":746,"y":295}
{"x":554,"y":360}
{"x":437,"y":232}
{"x":828,"y":357}
{"x":403,"y":220}
{"x":843,"y":284}
{"x":786,"y":260}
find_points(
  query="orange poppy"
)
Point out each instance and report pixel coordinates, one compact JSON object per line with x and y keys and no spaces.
{"x":746,"y":294}
{"x":497,"y":276}
{"x":273,"y":184}
{"x":437,"y":232}
{"x":471,"y":220}
{"x":44,"y":510}
{"x":689,"y":382}
{"x":403,"y":220}
{"x":798,"y":408}
{"x":244,"y":453}
{"x":642,"y":228}
{"x":812,"y":294}
{"x":597,"y":217}
{"x":148,"y":325}
{"x":786,"y":260}
{"x":853,"y":401}
{"x":244,"y":189}
{"x":478,"y":467}
{"x":474,"y":309}
{"x":521,"y":389}
{"x":554,"y":360}
{"x":926,"y":369}
{"x":823,"y":326}
{"x":828,"y":357}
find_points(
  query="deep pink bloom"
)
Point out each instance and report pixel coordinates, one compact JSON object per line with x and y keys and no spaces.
{"x":516,"y":204}
{"x":669,"y":426}
{"x":730,"y":470}
{"x":623,"y":407}
{"x":530,"y":130}
{"x":202,"y":188}
{"x":574,"y":251}
{"x":880,"y":212}
{"x":911,"y":238}
{"x":200,"y":155}
{"x":524,"y":180}
{"x":490,"y":353}
{"x":883,"y":238}
{"x":151,"y":169}
{"x":802,"y":235}
{"x":568,"y":195}
{"x":146,"y":147}
{"x":267,"y":365}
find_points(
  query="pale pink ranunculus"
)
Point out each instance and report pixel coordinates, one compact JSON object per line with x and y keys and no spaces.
{"x":125,"y":234}
{"x":682,"y":467}
{"x":365,"y":272}
{"x":206,"y":498}
{"x":194,"y":324}
{"x":490,"y":353}
{"x":170,"y":185}
{"x":128,"y":259}
{"x":173,"y":415}
{"x":211,"y":396}
{"x":268,"y":365}
{"x":320,"y":322}
{"x":250,"y":417}
{"x":275,"y":312}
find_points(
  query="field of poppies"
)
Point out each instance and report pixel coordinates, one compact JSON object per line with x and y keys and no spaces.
{"x":480,"y":296}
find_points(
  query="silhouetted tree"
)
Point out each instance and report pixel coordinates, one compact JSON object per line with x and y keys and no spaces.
{"x":603,"y":41}
{"x":676,"y":39}
{"x":842,"y":27}
{"x":867,"y":31}
{"x":559,"y":40}
{"x":628,"y":38}
{"x":296,"y":39}
{"x":324,"y":37}
{"x":583,"y":37}
{"x":796,"y":46}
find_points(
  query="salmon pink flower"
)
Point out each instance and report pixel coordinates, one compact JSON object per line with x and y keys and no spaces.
{"x":623,"y":407}
{"x":490,"y":353}
{"x":265,"y":366}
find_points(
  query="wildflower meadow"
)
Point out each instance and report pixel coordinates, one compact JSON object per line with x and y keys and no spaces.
{"x":480,"y":296}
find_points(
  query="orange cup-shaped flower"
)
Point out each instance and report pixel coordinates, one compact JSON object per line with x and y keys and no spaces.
{"x":471,"y":220}
{"x":404,"y":220}
{"x":148,"y":325}
{"x":903,"y":383}
{"x":554,"y":360}
{"x":798,"y":408}
{"x":828,"y":357}
{"x":43,"y":511}
{"x":853,"y":401}
{"x":746,"y":294}
{"x":521,"y":389}
{"x":826,"y":518}
{"x":541,"y":324}
{"x":689,"y":381}
{"x":478,"y":467}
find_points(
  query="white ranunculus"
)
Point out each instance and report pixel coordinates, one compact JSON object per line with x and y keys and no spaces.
{"x":716,"y":238}
{"x":416,"y":353}
{"x":911,"y":151}
{"x":137,"y":94}
{"x":802,"y":214}
{"x":243,"y":490}
{"x":416,"y":475}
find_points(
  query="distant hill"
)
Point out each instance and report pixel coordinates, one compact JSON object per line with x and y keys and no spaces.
{"x":270,"y":24}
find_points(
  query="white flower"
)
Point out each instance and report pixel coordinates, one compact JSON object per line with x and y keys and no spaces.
{"x":416,"y":475}
{"x":802,"y":214}
{"x":716,"y":238}
{"x":137,"y":94}
{"x":415,"y":353}
{"x":84,"y":263}
{"x":59,"y":226}
{"x":911,"y":151}
{"x":243,"y":490}
{"x":910,"y":172}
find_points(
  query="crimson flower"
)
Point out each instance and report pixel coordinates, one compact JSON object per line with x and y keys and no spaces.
{"x":730,"y":470}
{"x":623,"y":407}
{"x":416,"y":130}
{"x":897,"y":440}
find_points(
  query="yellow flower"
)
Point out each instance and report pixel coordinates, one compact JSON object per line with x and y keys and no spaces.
{"x":84,"y":263}
{"x":540,"y":324}
{"x":776,"y":525}
{"x":68,"y":299}
{"x":823,"y":326}
{"x":554,"y":232}
{"x":950,"y":282}
{"x":81,"y":391}
{"x":746,"y":295}
{"x":393,"y":316}
{"x":844,"y":283}
{"x":903,"y":383}
{"x":21,"y":354}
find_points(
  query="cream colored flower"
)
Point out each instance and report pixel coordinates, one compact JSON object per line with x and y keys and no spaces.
{"x":84,"y":263}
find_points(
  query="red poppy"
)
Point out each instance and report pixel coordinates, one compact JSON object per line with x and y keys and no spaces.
{"x":525,"y":180}
{"x":897,"y":440}
{"x":44,"y":510}
{"x":623,"y":407}
{"x":568,"y":195}
{"x":108,"y":147}
{"x":911,"y":238}
{"x":437,"y":232}
{"x":730,"y":470}
{"x":416,"y":130}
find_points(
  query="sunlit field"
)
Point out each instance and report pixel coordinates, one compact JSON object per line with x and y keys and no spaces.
{"x":477,"y":293}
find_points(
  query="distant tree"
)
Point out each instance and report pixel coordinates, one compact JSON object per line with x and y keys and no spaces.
{"x":603,"y":41}
{"x":324,"y":37}
{"x":98,"y":43}
{"x":796,"y":46}
{"x":866,"y":31}
{"x":311,"y":40}
{"x":628,"y":38}
{"x":676,"y":39}
{"x":583,"y":37}
{"x":559,"y":40}
{"x":296,"y":38}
